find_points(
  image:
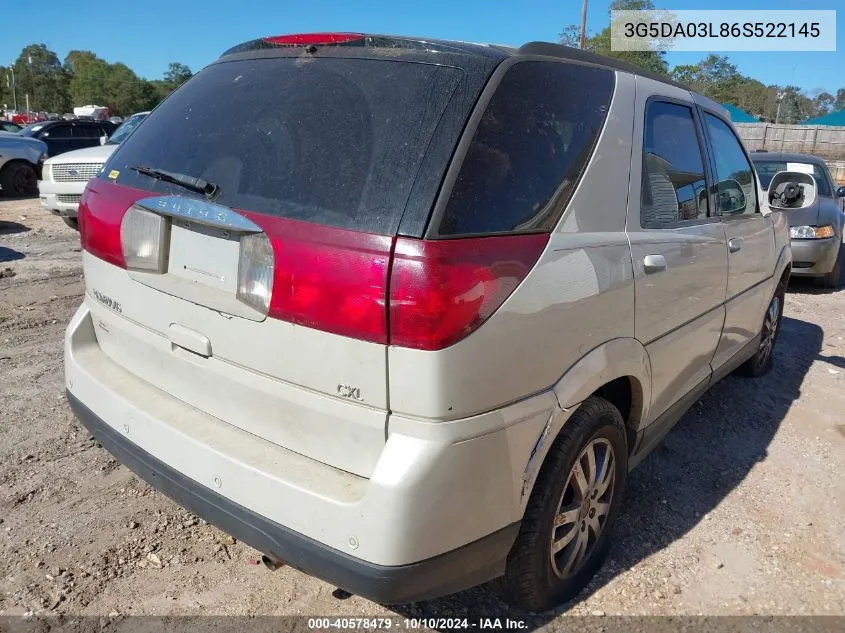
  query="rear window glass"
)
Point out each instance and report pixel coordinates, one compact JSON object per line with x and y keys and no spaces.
{"x":766,"y":170}
{"x":529,"y":150}
{"x":331,"y":141}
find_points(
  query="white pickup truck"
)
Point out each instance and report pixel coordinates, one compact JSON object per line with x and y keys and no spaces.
{"x":64,"y":176}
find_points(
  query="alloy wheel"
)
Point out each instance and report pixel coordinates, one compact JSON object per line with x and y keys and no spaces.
{"x":769,"y":331}
{"x":583,"y":508}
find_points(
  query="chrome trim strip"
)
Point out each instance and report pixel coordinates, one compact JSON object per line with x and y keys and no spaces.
{"x":199,"y":211}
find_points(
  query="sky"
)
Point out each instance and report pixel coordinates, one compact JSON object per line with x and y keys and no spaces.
{"x":147,"y":35}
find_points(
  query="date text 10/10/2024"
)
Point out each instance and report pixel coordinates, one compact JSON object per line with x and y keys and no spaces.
{"x":481,"y":624}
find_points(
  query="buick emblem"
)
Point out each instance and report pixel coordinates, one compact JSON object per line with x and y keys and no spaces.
{"x":72,"y":172}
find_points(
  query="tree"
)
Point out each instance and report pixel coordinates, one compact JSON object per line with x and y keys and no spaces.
{"x":95,"y":81}
{"x":711,"y":75}
{"x":39,"y":74}
{"x":839,"y":104}
{"x":651,"y":60}
{"x":795,"y":106}
{"x":177,"y":74}
{"x":823,"y":102}
{"x":88,"y":78}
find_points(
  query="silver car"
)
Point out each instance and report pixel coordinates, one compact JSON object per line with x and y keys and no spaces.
{"x":816,"y":230}
{"x":21,"y":159}
{"x":404,"y":313}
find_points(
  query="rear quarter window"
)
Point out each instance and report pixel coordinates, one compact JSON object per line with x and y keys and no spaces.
{"x":532,"y":143}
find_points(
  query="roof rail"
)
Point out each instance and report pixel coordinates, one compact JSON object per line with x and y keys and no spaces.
{"x":576,"y":54}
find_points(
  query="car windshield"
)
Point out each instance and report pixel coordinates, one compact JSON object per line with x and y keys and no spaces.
{"x":126,"y":129}
{"x":767,"y":169}
{"x":31,"y":129}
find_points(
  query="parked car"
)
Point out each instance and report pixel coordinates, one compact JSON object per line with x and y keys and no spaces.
{"x":64,"y":136}
{"x":117,"y":120}
{"x":408,"y":323}
{"x":20,"y":164}
{"x":816,"y":231}
{"x":69,"y":116}
{"x":8,"y":126}
{"x":65,"y":175}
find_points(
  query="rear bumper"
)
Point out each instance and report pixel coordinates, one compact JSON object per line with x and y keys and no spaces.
{"x":813,"y":258}
{"x":453,"y":571}
{"x":438,"y":514}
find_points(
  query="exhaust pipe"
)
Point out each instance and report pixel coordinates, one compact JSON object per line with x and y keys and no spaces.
{"x":271,"y":563}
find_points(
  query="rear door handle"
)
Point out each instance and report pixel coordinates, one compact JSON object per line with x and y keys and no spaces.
{"x":734,"y":244}
{"x":654,"y":264}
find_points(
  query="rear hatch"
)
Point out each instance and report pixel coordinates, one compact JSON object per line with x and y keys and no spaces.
{"x":264,"y":303}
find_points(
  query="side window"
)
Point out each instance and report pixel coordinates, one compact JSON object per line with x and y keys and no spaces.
{"x":530,"y":148}
{"x":737,"y":185}
{"x":58,"y":131}
{"x":823,"y":179}
{"x":86,"y":131}
{"x":674,"y":188}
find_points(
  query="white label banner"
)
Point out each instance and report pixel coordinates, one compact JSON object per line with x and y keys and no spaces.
{"x":722,"y":31}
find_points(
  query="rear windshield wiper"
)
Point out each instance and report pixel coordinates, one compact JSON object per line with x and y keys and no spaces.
{"x":208,"y":189}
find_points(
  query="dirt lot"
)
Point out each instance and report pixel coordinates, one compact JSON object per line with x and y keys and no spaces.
{"x":739,"y":512}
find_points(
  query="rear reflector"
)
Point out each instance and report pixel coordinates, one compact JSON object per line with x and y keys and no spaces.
{"x":440,"y":291}
{"x":304,"y":39}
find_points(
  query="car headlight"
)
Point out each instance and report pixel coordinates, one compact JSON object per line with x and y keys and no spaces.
{"x":47,"y":172}
{"x":810,"y":232}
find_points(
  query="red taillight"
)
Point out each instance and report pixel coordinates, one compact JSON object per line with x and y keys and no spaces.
{"x":327,"y":278}
{"x":337,"y":280}
{"x":304,"y":39}
{"x":440,"y":291}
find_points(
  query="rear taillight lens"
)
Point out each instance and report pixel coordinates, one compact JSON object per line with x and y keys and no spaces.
{"x":255,"y":272}
{"x":143,"y":236}
{"x":328,"y":279}
{"x":333,"y":279}
{"x":440,"y":291}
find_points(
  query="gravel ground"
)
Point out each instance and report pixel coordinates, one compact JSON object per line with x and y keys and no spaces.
{"x":739,"y":512}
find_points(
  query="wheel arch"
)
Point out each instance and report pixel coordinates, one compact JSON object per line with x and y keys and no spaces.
{"x":619,"y":371}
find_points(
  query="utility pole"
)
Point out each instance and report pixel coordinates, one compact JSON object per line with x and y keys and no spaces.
{"x":780,"y":100}
{"x":583,"y":39}
{"x":12,"y":86}
{"x":32,"y":80}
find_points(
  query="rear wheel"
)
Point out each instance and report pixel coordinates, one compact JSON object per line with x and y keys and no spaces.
{"x":564,"y":534}
{"x":71,"y":222}
{"x":19,"y":179}
{"x":763,"y":359}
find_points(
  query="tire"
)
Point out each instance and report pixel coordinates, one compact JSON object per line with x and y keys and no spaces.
{"x":19,"y":179}
{"x":831,"y":280}
{"x":535,"y":579}
{"x":71,"y":222}
{"x":763,"y":360}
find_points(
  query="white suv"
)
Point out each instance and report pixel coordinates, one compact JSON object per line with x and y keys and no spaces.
{"x":403,"y":314}
{"x":64,"y":176}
